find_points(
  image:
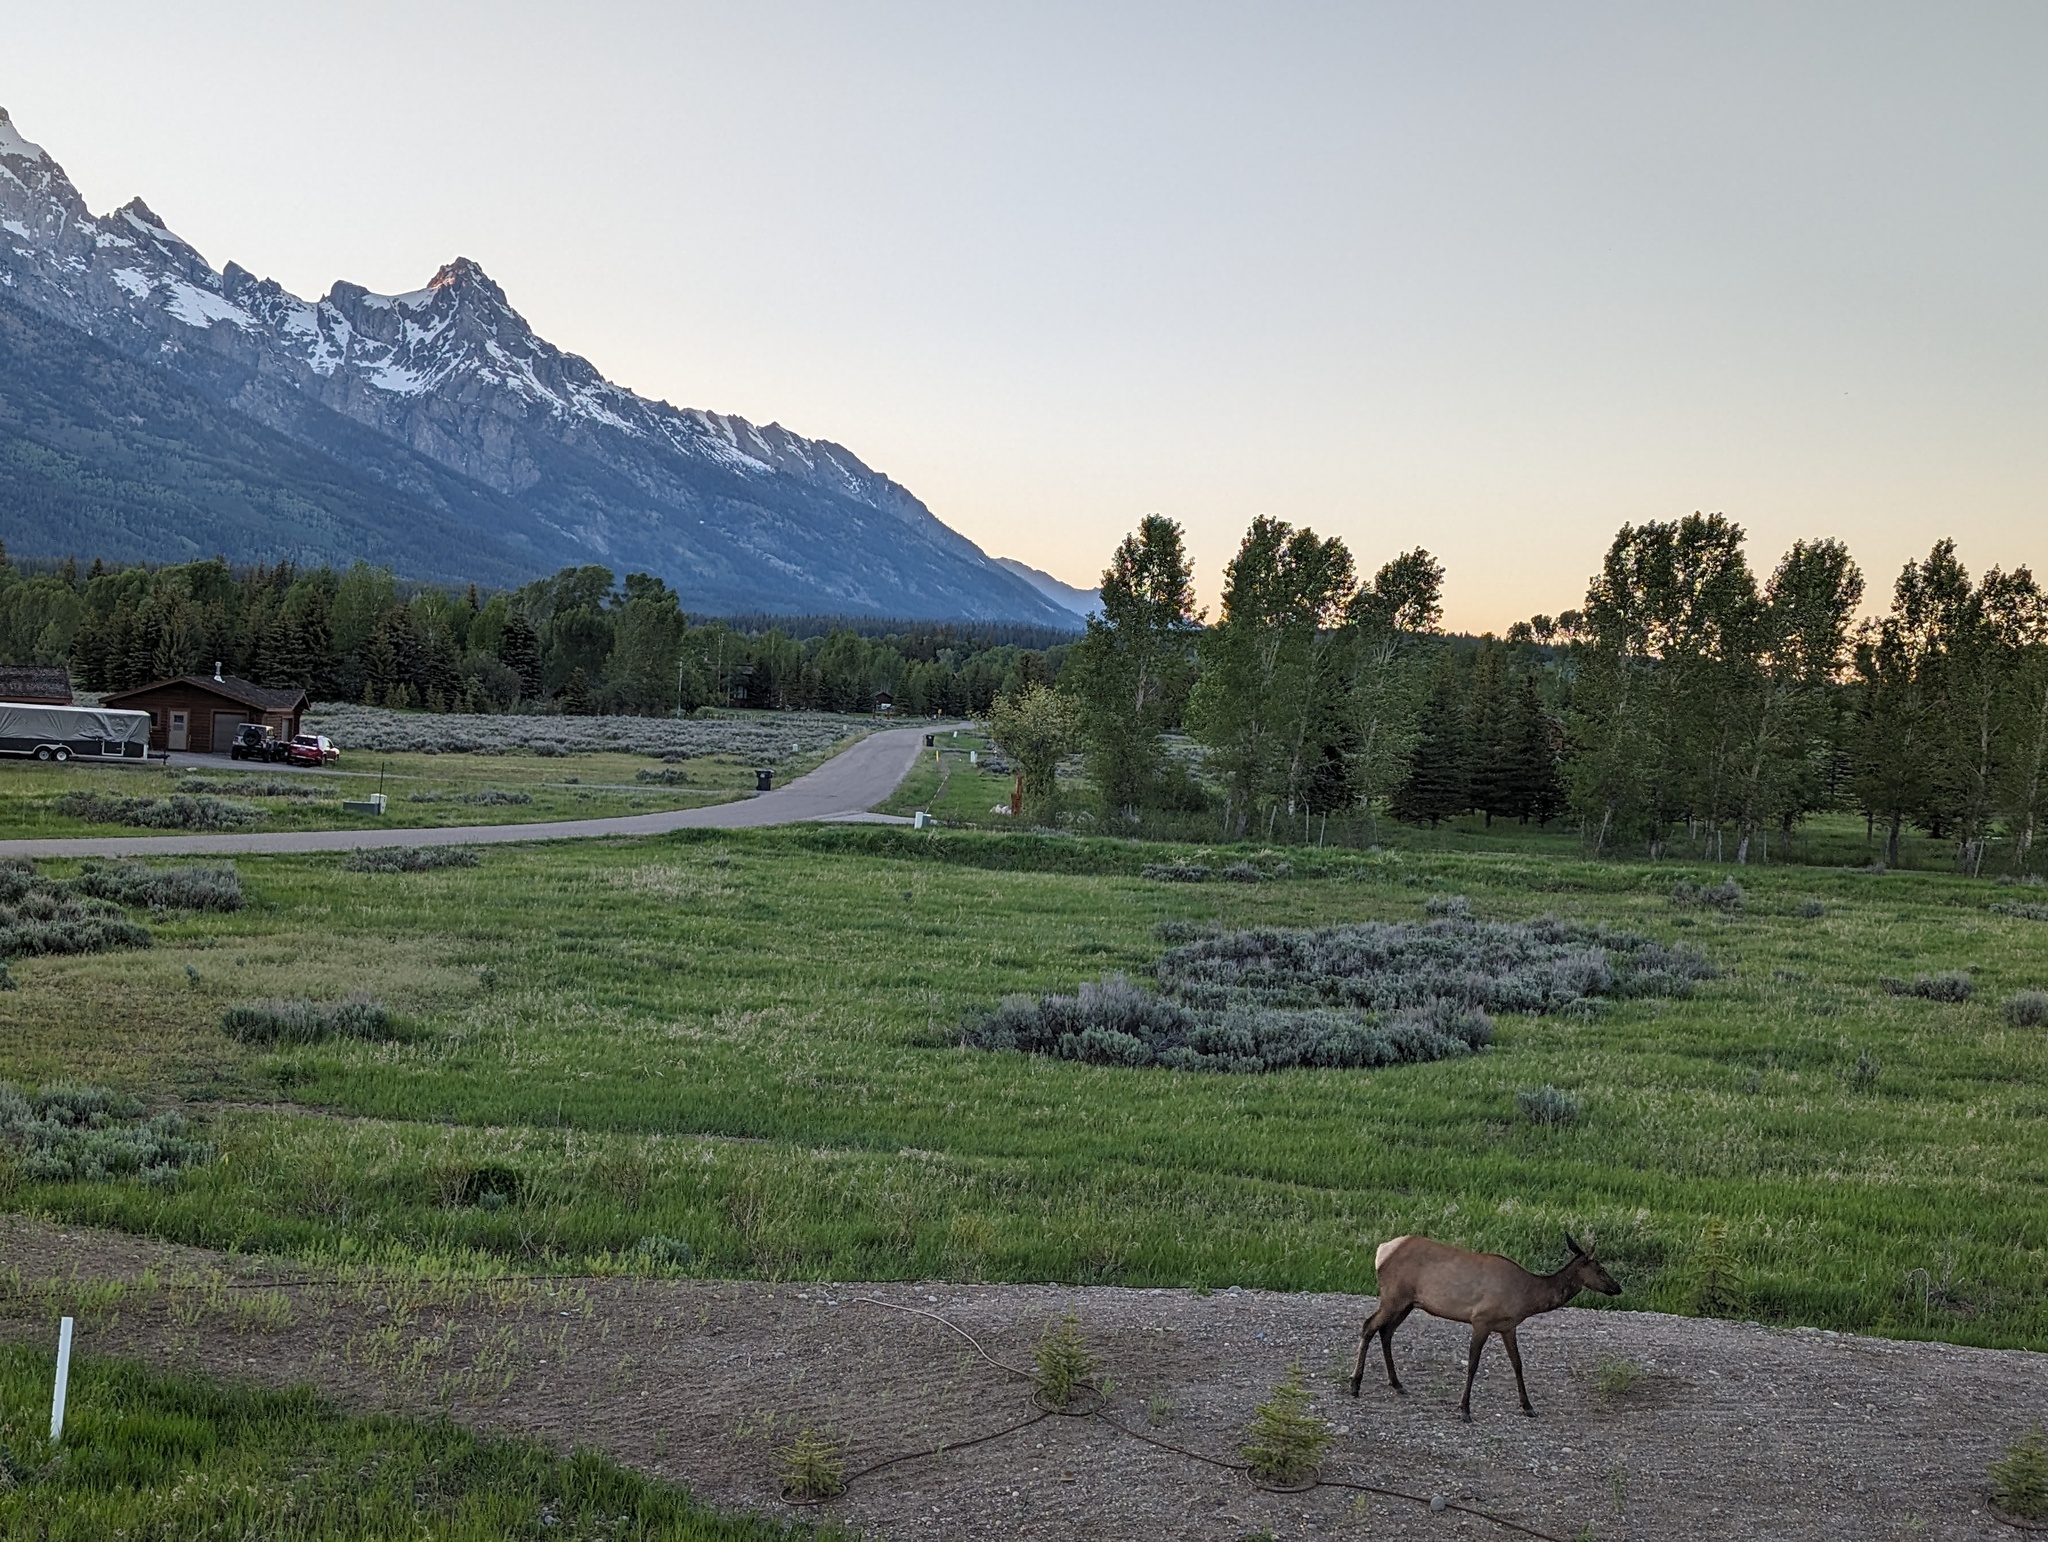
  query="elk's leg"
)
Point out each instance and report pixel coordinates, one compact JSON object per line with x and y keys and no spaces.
{"x":1373,"y":1324}
{"x":1472,"y":1370}
{"x":1387,"y":1346}
{"x":1507,"y":1339}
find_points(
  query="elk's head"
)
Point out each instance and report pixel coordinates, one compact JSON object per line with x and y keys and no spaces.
{"x":1584,"y":1271}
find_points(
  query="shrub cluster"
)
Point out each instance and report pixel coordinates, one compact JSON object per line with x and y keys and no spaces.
{"x":261,"y":786}
{"x":1372,"y":994}
{"x":2027,"y":1009}
{"x":764,"y":738}
{"x":307,"y":1022}
{"x":1812,"y":909}
{"x":163,"y":888}
{"x":65,"y":1132}
{"x":2023,"y":912}
{"x":1725,"y":896}
{"x":665,"y":776}
{"x":1951,"y":985}
{"x":179,"y":811}
{"x":408,"y":859}
{"x":489,"y":797}
{"x":1546,"y":1105}
{"x":42,"y":918}
{"x":1262,"y":869}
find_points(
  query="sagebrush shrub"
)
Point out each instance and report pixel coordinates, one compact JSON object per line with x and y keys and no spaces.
{"x":262,"y":787}
{"x":1447,"y":907}
{"x":2022,"y":912}
{"x":1372,"y":994}
{"x":760,"y":739}
{"x":408,"y":859}
{"x":1951,"y":985}
{"x":307,"y":1022}
{"x":163,"y":888}
{"x":490,"y":797}
{"x":1724,"y":896}
{"x":179,"y":811}
{"x":38,"y":916}
{"x":2027,"y":1009}
{"x":1177,"y":872}
{"x":1811,"y":909}
{"x":1547,"y":1105}
{"x":65,"y":1132}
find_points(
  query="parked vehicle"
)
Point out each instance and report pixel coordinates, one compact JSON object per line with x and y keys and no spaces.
{"x":312,"y":750}
{"x":60,"y":733}
{"x":256,"y":741}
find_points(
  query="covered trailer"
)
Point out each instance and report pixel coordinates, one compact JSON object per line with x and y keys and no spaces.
{"x":64,"y":733}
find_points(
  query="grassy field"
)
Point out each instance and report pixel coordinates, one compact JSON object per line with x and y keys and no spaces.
{"x":735,"y":1053}
{"x":180,"y":1461}
{"x":423,"y":790}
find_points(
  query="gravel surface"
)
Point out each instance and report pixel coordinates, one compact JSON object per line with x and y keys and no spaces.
{"x":1728,"y":1430}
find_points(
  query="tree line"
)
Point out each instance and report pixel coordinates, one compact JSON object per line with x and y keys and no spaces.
{"x":580,"y":641}
{"x":1688,"y":705}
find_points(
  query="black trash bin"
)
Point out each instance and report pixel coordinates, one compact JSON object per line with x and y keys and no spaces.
{"x":764,"y":781}
{"x":930,"y":740}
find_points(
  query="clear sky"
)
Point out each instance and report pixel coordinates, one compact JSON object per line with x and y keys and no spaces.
{"x":1488,"y":278}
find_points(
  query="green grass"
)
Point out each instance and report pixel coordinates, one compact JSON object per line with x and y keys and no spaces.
{"x":423,"y":790}
{"x":186,"y":1461}
{"x":948,"y":786}
{"x":743,"y":1041}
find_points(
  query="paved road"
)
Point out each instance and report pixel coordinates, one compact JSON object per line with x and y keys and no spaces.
{"x":842,"y":789}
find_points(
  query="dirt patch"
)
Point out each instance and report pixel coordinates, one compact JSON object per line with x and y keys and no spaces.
{"x":1712,"y":1430}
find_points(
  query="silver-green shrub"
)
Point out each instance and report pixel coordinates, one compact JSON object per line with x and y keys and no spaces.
{"x":307,"y":1022}
{"x":1372,"y":994}
{"x":408,"y":859}
{"x":65,"y":1132}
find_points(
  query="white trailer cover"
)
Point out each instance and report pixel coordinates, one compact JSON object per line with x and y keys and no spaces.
{"x":26,"y":727}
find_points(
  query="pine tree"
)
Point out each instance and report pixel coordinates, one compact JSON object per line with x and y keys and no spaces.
{"x":1488,"y":759}
{"x":1531,"y":751}
{"x":1438,"y":787}
{"x":519,"y":651}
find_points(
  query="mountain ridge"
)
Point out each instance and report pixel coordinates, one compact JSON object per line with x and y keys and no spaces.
{"x":560,"y":462}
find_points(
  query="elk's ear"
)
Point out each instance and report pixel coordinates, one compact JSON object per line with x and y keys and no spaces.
{"x":1576,"y":1249}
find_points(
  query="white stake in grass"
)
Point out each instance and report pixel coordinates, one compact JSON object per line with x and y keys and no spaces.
{"x":63,"y":1381}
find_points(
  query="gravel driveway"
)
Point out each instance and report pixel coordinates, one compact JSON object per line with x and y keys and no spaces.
{"x":1723,"y":1430}
{"x":843,"y":788}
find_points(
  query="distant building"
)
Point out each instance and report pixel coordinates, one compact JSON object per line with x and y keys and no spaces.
{"x":200,"y":713}
{"x":41,"y":685}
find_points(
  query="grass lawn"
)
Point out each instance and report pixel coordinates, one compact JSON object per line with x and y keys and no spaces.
{"x":423,"y":790}
{"x":182,"y":1460}
{"x":739,"y":1047}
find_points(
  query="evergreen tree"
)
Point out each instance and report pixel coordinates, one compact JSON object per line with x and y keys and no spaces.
{"x":519,"y":651}
{"x":1534,"y":791}
{"x":1438,"y":785}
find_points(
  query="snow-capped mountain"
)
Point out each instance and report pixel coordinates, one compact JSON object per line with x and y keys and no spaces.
{"x":561,"y":465}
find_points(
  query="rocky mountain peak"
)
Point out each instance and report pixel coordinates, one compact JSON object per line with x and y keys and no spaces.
{"x":735,"y":515}
{"x":14,"y":147}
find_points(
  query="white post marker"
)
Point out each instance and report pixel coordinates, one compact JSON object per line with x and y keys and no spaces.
{"x":63,"y":1380}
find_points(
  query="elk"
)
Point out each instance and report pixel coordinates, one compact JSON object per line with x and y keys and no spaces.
{"x":1492,"y":1293}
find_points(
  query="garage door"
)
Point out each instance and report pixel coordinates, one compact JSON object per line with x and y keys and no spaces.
{"x":224,"y":726}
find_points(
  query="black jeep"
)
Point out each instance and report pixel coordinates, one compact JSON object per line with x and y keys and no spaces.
{"x":256,"y":741}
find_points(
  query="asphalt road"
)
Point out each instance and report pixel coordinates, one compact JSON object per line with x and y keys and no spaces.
{"x":843,"y":789}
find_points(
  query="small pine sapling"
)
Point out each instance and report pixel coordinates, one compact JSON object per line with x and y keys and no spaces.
{"x":1716,"y":1275}
{"x":810,"y":1467}
{"x":1066,"y":1365}
{"x":2019,"y":1479}
{"x":1287,"y":1437}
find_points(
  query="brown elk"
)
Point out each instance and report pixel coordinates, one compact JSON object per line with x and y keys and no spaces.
{"x":1493,"y":1294}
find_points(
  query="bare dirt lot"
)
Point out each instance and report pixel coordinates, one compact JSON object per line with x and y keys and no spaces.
{"x":1649,"y":1427}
